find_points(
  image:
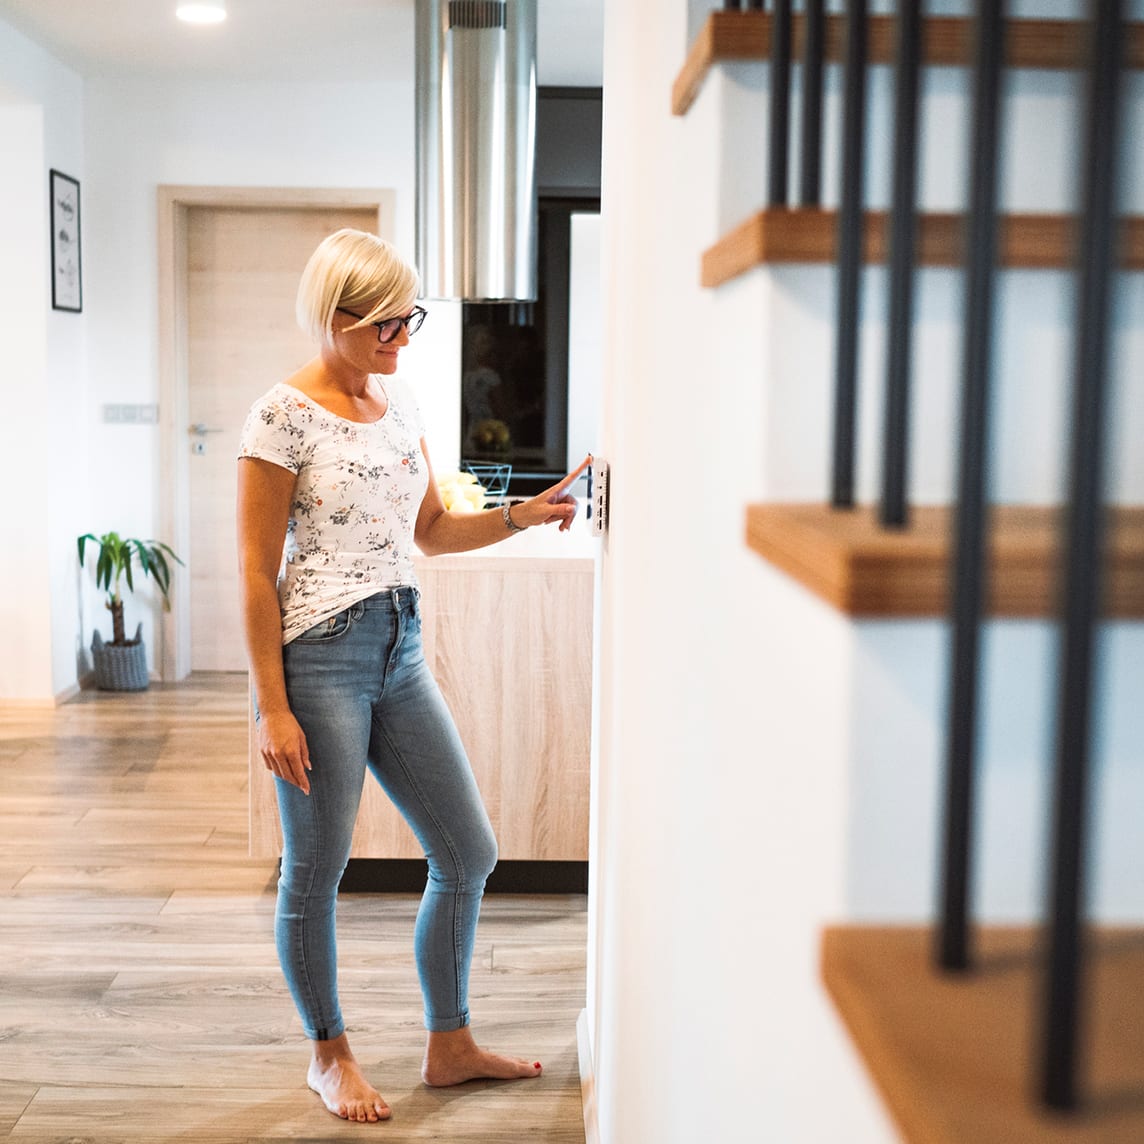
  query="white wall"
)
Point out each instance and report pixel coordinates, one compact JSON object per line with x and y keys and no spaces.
{"x":721,"y":787}
{"x":43,"y":444}
{"x":765,"y":766}
{"x":25,"y":596}
{"x":353,"y":134}
{"x":585,"y":338}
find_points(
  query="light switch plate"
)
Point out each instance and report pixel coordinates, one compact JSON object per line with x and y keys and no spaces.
{"x":600,"y":480}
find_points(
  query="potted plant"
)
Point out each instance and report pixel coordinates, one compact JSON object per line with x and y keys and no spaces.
{"x":121,"y":665}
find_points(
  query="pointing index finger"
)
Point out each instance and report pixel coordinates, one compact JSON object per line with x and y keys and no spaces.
{"x":559,"y":488}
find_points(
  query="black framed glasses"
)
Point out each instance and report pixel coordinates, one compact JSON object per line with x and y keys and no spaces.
{"x":388,"y":327}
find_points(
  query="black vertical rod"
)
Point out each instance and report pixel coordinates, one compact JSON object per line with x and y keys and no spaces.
{"x":813,"y":41}
{"x":850,"y":233}
{"x":732,"y":5}
{"x":777,"y":194}
{"x":1083,"y":550}
{"x":969,"y":576}
{"x":902,"y":227}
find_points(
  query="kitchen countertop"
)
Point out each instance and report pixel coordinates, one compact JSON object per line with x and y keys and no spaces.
{"x":542,"y":545}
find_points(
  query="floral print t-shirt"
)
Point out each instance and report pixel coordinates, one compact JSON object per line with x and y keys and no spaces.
{"x":359,"y":488}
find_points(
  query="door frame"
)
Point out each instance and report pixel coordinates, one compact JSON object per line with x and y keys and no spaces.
{"x":173,"y":658}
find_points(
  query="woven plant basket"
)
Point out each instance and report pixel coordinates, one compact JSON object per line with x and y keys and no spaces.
{"x":120,"y":668}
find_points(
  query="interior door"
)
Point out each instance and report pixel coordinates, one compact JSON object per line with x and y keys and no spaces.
{"x":243,"y":267}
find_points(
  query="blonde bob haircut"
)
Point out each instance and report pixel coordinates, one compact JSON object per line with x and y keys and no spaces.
{"x":353,"y":270}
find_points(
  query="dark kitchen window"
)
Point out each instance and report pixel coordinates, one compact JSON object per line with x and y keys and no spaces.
{"x":514,"y":383}
{"x":515,"y":365}
{"x":514,"y":371}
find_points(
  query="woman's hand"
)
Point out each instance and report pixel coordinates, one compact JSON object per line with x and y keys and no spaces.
{"x":552,"y":505}
{"x":439,"y":531}
{"x":284,"y":751}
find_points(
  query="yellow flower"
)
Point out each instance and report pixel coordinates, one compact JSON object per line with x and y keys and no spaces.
{"x":460,"y":492}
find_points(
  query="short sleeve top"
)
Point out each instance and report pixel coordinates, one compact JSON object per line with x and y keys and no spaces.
{"x":359,"y":488}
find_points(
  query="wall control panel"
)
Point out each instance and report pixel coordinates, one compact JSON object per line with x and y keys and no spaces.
{"x":599,"y":502}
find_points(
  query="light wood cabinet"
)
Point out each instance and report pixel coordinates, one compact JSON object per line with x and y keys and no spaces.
{"x":508,"y":635}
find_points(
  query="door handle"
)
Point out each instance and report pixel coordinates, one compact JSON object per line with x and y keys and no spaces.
{"x":200,"y":429}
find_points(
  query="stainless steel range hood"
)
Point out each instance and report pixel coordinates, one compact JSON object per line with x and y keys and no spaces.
{"x":476,"y":148}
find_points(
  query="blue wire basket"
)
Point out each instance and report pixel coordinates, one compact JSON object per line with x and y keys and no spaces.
{"x":492,"y":478}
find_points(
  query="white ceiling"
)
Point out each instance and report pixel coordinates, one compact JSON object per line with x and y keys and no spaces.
{"x":281,"y":39}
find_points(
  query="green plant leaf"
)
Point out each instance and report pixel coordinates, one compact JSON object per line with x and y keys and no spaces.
{"x":141,"y":551}
{"x":162,"y":571}
{"x":116,"y":558}
{"x":103,"y":569}
{"x":168,"y":550}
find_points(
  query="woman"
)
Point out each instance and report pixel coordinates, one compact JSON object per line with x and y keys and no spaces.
{"x":333,"y":467}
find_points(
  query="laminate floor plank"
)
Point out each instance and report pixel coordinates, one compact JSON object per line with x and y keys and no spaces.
{"x":212,"y":904}
{"x":14,"y":1098}
{"x":54,"y":837}
{"x":105,"y":956}
{"x":15,"y":820}
{"x":153,"y":879}
{"x":12,"y":873}
{"x":46,"y":911}
{"x":140,"y":993}
{"x":230,"y":839}
{"x":477,"y":1113}
{"x":37,"y":989}
{"x":164,"y":788}
{"x":207,"y":815}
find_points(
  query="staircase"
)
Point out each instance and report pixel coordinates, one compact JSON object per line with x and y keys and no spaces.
{"x":985,"y":527}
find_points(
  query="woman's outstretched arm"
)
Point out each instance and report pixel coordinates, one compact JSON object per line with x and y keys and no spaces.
{"x":439,"y":531}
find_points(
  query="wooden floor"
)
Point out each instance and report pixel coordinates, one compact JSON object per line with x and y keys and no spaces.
{"x":140,"y":995}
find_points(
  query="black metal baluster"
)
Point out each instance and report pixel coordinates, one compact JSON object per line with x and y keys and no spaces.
{"x":813,"y":42}
{"x":850,"y":236}
{"x":969,"y":576}
{"x":780,"y":104}
{"x":1083,"y":552}
{"x":902,"y":237}
{"x":732,"y":5}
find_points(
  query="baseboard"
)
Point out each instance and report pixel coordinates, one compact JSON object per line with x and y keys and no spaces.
{"x":67,"y":694}
{"x":408,"y":876}
{"x":587,"y":1080}
{"x":44,"y":703}
{"x":28,"y":704}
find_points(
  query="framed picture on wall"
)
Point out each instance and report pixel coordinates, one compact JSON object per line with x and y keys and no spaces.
{"x":67,"y":267}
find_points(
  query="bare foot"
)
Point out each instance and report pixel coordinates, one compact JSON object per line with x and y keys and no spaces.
{"x":453,"y":1058}
{"x":336,"y":1077}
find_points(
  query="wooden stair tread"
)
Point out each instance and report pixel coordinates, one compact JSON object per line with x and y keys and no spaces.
{"x":953,"y":1054}
{"x":946,"y":41}
{"x":779,"y":235}
{"x":848,"y":559}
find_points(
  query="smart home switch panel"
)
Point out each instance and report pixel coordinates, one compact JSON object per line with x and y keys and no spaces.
{"x":599,"y":510}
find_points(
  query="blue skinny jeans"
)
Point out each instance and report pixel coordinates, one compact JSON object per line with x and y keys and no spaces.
{"x":361,"y":691}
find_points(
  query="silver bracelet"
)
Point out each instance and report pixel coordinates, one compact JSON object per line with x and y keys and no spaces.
{"x":509,"y":523}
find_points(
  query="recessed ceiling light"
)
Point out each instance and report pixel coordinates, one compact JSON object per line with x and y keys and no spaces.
{"x":204,"y":12}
